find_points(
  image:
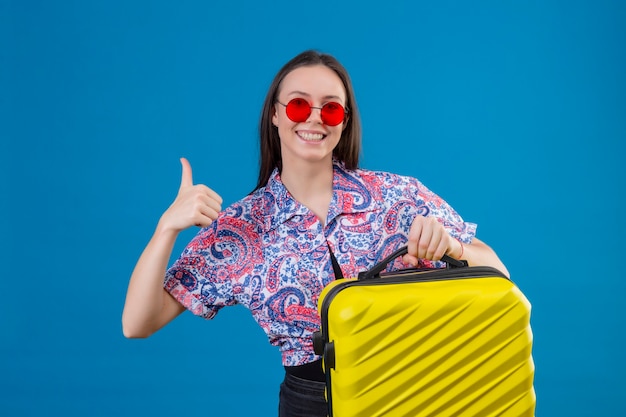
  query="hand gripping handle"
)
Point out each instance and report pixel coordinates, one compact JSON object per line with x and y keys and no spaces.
{"x":379,"y":267}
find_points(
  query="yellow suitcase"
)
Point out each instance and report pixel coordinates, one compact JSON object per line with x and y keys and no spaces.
{"x":444,"y":342}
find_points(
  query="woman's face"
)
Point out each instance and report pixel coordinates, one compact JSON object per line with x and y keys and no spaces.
{"x":311,"y":140}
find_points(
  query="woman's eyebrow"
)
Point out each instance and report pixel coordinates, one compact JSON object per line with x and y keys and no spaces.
{"x":302,"y":93}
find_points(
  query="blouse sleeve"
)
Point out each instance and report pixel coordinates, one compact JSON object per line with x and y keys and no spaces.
{"x":199,"y":278}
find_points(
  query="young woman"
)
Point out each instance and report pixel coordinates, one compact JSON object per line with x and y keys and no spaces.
{"x":273,"y":250}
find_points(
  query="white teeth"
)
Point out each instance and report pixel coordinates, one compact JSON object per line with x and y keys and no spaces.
{"x":311,"y":136}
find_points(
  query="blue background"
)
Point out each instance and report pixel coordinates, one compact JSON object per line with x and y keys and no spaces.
{"x":513,"y":111}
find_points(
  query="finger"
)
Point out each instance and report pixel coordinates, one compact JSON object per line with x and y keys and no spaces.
{"x":410,"y":260}
{"x":423,"y":244}
{"x":434,"y":241}
{"x":203,"y":221}
{"x":209,"y":212}
{"x":204,"y":216}
{"x":209,"y":203}
{"x":215,"y":206}
{"x":207,"y":206}
{"x":442,"y":249}
{"x":414,"y":236}
{"x":209,"y":192}
{"x":186,"y":178}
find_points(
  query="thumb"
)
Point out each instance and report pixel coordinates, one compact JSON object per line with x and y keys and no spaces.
{"x":186,"y":179}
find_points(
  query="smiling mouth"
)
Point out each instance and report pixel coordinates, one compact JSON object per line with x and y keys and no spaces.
{"x":311,"y":137}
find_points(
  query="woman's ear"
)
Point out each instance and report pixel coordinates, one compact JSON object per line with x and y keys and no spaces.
{"x":275,"y":117}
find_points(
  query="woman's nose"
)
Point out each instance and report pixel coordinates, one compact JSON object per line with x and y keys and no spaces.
{"x":316,"y":115}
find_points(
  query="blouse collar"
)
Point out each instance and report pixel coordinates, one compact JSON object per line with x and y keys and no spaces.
{"x":350,"y":195}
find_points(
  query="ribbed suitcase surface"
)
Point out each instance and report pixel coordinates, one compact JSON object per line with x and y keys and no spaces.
{"x":439,"y":343}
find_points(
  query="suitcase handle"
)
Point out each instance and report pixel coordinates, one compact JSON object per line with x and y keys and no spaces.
{"x":378,"y":268}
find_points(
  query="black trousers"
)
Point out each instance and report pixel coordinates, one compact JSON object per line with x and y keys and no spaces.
{"x":302,"y":398}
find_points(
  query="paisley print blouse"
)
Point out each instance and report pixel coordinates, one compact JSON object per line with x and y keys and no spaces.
{"x":270,"y":253}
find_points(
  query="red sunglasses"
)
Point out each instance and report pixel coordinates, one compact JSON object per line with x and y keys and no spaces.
{"x":298,"y":110}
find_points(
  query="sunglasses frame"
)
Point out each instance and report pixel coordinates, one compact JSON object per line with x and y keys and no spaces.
{"x":346,"y":111}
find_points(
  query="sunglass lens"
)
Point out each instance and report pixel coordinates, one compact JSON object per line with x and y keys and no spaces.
{"x":298,"y":110}
{"x":332,"y":114}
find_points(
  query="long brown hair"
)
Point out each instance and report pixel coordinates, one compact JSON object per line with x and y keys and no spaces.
{"x":349,"y":148}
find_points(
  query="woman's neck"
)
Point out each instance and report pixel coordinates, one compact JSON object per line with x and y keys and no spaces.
{"x":311,"y":185}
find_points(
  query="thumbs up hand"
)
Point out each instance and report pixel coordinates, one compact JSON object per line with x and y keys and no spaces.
{"x":195,"y":205}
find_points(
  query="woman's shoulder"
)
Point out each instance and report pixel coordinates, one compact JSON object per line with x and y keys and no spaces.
{"x":380,"y":178}
{"x":248,"y":209}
